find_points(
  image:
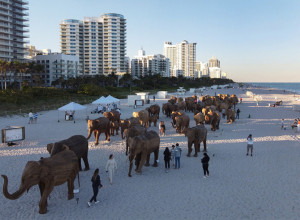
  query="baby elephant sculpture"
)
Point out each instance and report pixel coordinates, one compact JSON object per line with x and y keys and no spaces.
{"x":47,"y":173}
{"x":140,"y":149}
{"x":78,"y":144}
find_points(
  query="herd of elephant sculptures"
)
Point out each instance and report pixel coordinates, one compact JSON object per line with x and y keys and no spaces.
{"x":64,"y":162}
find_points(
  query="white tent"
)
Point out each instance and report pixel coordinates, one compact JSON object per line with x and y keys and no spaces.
{"x":101,"y":101}
{"x":112,"y":99}
{"x":72,"y":107}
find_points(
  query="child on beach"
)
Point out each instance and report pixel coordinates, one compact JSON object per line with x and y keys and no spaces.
{"x":204,"y":162}
{"x":96,"y":185}
{"x":35,"y":116}
{"x":167,"y":157}
{"x":30,"y":115}
{"x":250,"y":144}
{"x":111,"y":165}
{"x":162,"y":128}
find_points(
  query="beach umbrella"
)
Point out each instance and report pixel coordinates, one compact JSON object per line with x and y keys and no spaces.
{"x":72,"y":106}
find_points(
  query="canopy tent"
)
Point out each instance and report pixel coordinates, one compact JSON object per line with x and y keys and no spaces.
{"x":101,"y":101}
{"x":72,"y":107}
{"x":112,"y":99}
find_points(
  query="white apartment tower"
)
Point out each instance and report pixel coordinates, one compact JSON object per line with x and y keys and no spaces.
{"x":182,"y":58}
{"x":100,"y":43}
{"x":13,"y":18}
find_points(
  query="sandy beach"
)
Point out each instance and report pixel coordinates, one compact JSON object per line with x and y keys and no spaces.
{"x":265,"y":186}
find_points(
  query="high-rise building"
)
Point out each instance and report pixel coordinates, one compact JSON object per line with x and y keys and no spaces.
{"x":214,"y":62}
{"x":182,"y":58}
{"x":57,"y":65}
{"x":143,"y":65}
{"x":13,"y":18}
{"x":100,"y":43}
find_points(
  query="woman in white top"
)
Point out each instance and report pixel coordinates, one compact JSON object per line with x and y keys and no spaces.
{"x":250,"y":144}
{"x":111,"y":165}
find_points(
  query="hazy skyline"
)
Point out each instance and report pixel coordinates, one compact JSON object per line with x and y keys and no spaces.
{"x":256,"y":41}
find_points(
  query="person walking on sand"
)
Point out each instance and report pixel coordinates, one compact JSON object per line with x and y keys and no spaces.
{"x":154,"y":98}
{"x":30,"y":115}
{"x":250,"y":144}
{"x":282,"y":124}
{"x":204,"y":162}
{"x":111,"y":165}
{"x":167,"y":157}
{"x":237,"y":114}
{"x":173,"y":155}
{"x":163,"y":128}
{"x":96,"y":185}
{"x":177,"y":156}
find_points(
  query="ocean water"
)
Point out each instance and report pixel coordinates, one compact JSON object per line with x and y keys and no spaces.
{"x":292,"y":87}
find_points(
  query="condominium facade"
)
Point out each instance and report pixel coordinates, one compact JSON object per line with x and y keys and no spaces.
{"x":182,"y":58}
{"x":57,"y":65}
{"x":143,"y":65}
{"x":13,"y":18}
{"x":214,"y":62}
{"x":100,"y":43}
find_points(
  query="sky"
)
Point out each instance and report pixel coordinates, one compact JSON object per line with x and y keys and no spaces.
{"x":255,"y":40}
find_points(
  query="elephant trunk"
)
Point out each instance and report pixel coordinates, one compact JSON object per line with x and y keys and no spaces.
{"x":16,"y":194}
{"x":173,"y":125}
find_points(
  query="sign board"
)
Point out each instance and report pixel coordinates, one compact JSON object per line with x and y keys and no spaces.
{"x":13,"y":133}
{"x":139,"y":102}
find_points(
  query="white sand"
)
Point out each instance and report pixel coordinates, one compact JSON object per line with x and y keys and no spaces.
{"x":265,"y":186}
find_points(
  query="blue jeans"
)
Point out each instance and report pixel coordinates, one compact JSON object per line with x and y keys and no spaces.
{"x":177,"y":162}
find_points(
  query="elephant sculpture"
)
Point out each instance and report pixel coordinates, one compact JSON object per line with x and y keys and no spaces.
{"x":132,"y":132}
{"x":154,"y":110}
{"x":77,"y":143}
{"x":181,"y":105}
{"x":113,"y":115}
{"x":213,"y":118}
{"x":127,"y":123}
{"x":114,"y":126}
{"x":182,"y":122}
{"x":98,"y":126}
{"x":140,"y":149}
{"x":152,"y":119}
{"x":143,"y":117}
{"x":199,"y":118}
{"x":196,"y":135}
{"x":47,"y":173}
{"x":230,"y":116}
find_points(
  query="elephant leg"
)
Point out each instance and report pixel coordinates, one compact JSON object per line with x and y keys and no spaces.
{"x":142,"y":162}
{"x":43,"y":202}
{"x":126,"y":147}
{"x":196,"y":146}
{"x":131,"y":157}
{"x":189,"y":148}
{"x":79,"y":164}
{"x":204,"y":144}
{"x":155,"y":157}
{"x":107,"y":136}
{"x":42,"y":188}
{"x":147,"y":164}
{"x":97,"y":138}
{"x":137,"y":161}
{"x":71,"y":188}
{"x":86,"y":162}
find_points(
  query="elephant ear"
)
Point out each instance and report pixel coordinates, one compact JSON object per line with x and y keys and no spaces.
{"x":65,"y":147}
{"x":50,"y":147}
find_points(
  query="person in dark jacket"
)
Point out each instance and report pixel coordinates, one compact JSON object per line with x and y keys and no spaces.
{"x":96,"y":185}
{"x":238,"y":114}
{"x":167,"y":157}
{"x":204,"y":162}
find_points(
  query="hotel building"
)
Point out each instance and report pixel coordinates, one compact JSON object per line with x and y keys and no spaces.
{"x":143,"y":65}
{"x":100,"y":43}
{"x":182,"y":58}
{"x":13,"y":18}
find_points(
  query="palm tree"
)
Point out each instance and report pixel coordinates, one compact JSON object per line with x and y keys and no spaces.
{"x":3,"y":66}
{"x":21,"y":68}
